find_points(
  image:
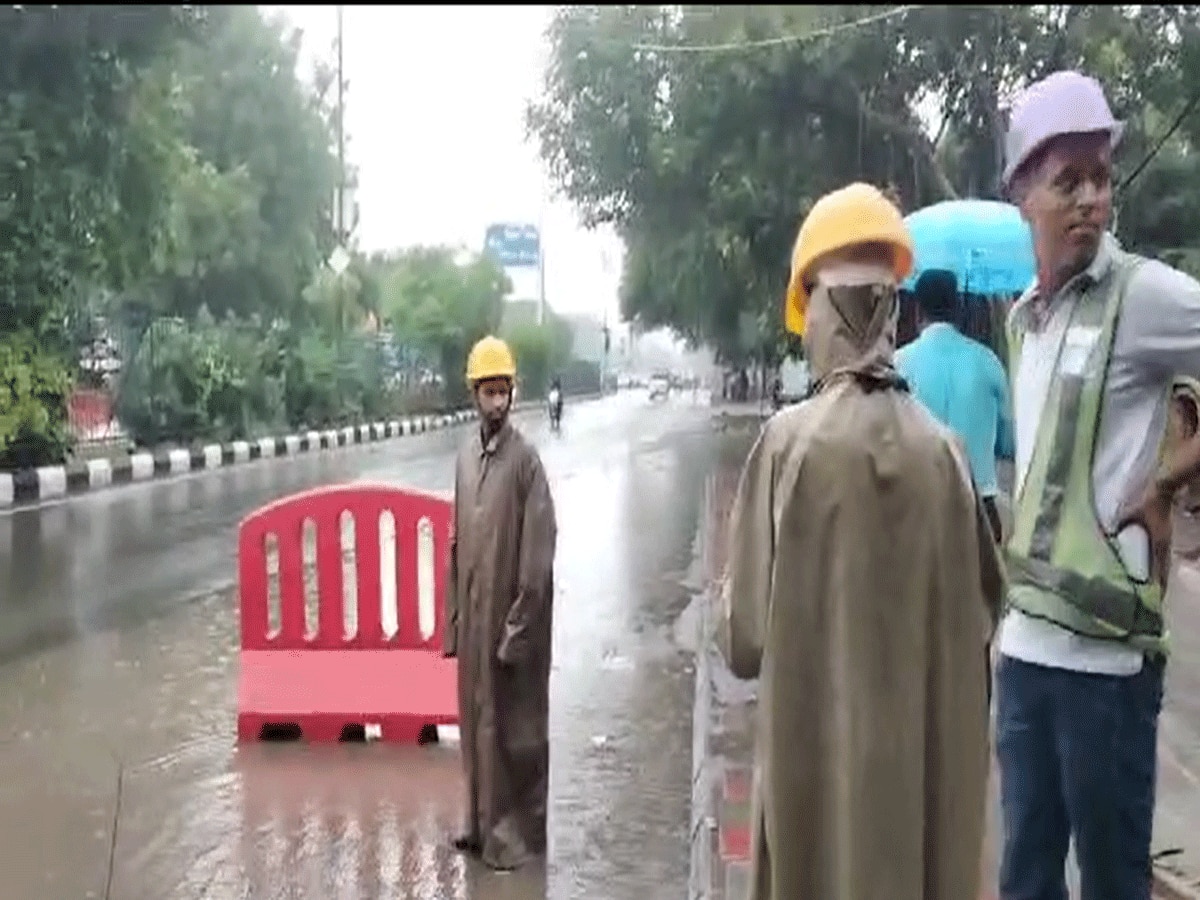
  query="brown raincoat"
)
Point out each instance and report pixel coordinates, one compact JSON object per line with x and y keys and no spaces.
{"x":498,"y":623}
{"x":863,"y":586}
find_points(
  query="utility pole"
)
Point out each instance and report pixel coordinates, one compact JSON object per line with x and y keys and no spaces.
{"x":606,"y":265}
{"x":541,"y":237}
{"x":341,"y":136}
{"x":604,"y":358}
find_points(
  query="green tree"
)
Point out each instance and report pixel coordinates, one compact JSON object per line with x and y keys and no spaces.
{"x":248,"y":148}
{"x":253,"y":210}
{"x":706,"y":160}
{"x":434,"y":303}
{"x":337,"y":301}
{"x":84,"y":195}
{"x":86,"y":187}
{"x":540,"y":351}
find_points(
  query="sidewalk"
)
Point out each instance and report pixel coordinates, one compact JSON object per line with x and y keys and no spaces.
{"x":750,"y":409}
{"x":724,"y":741}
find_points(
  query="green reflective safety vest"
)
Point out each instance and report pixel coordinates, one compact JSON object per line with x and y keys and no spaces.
{"x":1063,"y":566}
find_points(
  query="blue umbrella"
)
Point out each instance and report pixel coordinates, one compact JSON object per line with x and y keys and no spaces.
{"x":985,"y":243}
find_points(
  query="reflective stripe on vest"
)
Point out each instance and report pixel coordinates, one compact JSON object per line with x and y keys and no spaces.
{"x":1063,"y":566}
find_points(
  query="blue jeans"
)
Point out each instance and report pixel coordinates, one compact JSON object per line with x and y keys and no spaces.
{"x":1078,"y":756}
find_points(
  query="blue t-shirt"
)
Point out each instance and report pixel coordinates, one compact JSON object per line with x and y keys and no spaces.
{"x":964,"y":385}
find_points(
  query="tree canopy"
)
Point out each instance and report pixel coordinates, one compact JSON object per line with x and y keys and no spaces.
{"x":439,"y":306}
{"x":704,"y":134}
{"x":168,"y":181}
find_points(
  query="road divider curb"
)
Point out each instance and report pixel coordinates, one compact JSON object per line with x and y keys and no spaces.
{"x":29,"y":487}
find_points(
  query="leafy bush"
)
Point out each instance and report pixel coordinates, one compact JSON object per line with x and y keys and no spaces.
{"x":34,"y":387}
{"x":331,"y":382}
{"x":206,"y":380}
{"x":311,"y":395}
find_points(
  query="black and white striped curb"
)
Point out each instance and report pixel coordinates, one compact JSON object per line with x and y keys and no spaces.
{"x":50,"y":482}
{"x":30,"y":486}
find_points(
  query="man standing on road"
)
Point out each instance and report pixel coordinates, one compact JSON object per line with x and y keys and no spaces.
{"x":499,"y":620}
{"x":1095,"y":343}
{"x":961,"y":382}
{"x":863,"y":586}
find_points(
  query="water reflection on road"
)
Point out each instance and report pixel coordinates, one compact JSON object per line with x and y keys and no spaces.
{"x":120,"y":674}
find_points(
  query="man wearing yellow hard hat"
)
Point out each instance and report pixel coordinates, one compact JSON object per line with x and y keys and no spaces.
{"x":862,"y":589}
{"x":498,"y":620}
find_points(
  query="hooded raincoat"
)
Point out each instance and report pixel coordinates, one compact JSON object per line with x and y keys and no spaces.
{"x":499,"y":625}
{"x":862,"y":589}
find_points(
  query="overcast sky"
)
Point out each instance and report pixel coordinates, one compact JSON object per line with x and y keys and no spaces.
{"x":435,"y":121}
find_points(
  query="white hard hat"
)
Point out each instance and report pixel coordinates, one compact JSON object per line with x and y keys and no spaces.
{"x":1062,"y":103}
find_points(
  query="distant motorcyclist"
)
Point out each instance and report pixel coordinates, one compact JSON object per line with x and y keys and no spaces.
{"x":555,"y":402}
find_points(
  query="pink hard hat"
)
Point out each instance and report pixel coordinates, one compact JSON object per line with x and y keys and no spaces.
{"x":1062,"y":103}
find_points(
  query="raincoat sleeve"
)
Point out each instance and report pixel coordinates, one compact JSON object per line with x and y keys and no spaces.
{"x":747,"y":586}
{"x":450,"y":629}
{"x":991,"y":569}
{"x":535,"y":573}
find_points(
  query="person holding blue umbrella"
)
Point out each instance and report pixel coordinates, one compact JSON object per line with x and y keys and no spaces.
{"x":961,"y":382}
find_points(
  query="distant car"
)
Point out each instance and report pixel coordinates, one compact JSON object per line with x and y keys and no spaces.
{"x":660,"y":386}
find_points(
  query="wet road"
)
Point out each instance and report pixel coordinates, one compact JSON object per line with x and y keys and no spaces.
{"x":117,"y":663}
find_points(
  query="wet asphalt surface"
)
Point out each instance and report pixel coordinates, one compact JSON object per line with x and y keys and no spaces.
{"x":118,"y":639}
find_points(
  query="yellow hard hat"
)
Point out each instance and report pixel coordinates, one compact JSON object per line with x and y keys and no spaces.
{"x":857,"y":214}
{"x":490,"y":358}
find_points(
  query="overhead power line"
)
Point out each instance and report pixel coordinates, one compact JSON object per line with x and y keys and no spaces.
{"x":734,"y":46}
{"x":1158,"y":145}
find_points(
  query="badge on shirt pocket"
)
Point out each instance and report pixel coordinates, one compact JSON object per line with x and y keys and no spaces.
{"x":1078,"y":346}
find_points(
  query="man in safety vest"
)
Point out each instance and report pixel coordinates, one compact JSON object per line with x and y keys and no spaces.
{"x":498,"y":623}
{"x":1095,"y":344}
{"x":863,"y":586}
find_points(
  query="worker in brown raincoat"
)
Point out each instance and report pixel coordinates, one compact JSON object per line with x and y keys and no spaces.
{"x":498,"y":621}
{"x":863,"y":586}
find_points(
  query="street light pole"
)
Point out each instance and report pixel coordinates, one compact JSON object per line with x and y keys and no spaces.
{"x":604,"y":357}
{"x":341,"y":136}
{"x":606,"y":265}
{"x":541,"y":309}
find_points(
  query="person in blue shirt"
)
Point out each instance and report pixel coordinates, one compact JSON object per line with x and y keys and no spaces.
{"x":961,"y":382}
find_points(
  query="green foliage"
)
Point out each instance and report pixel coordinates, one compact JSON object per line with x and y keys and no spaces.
{"x":541,"y":351}
{"x":84,"y":200}
{"x":34,"y":385}
{"x":335,"y":301}
{"x":435,"y":304}
{"x":532,"y":348}
{"x":85,"y":191}
{"x":332,"y":382}
{"x":201,"y":379}
{"x":164,"y":162}
{"x":236,"y":379}
{"x":252,"y":210}
{"x":707,"y":161}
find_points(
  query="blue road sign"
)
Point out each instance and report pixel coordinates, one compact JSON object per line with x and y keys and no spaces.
{"x":513,"y":245}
